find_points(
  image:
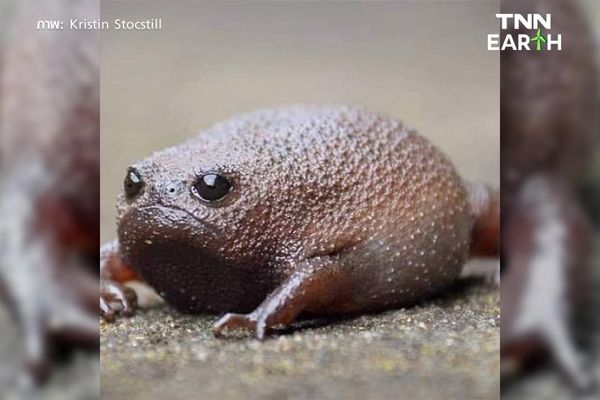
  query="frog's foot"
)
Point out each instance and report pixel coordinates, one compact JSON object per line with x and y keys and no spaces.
{"x":116,"y":299}
{"x":316,"y":286}
{"x":257,"y":322}
{"x":232,"y":321}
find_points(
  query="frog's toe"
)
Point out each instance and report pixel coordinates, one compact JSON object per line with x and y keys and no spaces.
{"x":232,"y":321}
{"x":129,"y":302}
{"x":106,"y":311}
{"x":112,"y":292}
{"x":261,"y":328}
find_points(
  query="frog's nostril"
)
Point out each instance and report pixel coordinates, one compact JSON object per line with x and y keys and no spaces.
{"x":173,"y":188}
{"x":133,"y":183}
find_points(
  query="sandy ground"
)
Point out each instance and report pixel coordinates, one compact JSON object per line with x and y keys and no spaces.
{"x":445,"y":348}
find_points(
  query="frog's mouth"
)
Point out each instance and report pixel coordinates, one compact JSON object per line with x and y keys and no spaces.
{"x":179,"y":256}
{"x":141,"y":228}
{"x":158,"y":218}
{"x":207,"y":227}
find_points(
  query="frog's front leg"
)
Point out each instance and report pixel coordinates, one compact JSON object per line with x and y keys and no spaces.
{"x":114,"y":272}
{"x":317,"y":285}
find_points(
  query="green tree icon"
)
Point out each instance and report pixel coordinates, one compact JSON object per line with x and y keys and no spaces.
{"x":539,"y":39}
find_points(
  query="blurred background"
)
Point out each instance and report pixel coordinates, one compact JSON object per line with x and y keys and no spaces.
{"x":550,"y":132}
{"x":425,"y":63}
{"x":49,"y":202}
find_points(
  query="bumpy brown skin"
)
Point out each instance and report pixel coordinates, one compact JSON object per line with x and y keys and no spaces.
{"x":549,"y":113}
{"x":334,"y":210}
{"x":49,"y":178}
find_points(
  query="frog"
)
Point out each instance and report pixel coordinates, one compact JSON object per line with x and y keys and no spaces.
{"x":295,"y":211}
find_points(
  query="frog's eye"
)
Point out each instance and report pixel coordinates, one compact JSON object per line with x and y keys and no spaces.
{"x":133,"y":183}
{"x":212,"y":187}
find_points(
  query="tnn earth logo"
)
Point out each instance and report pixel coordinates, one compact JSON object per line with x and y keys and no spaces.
{"x":537,"y":41}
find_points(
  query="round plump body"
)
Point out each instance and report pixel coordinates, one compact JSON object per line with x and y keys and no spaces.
{"x":306,"y":182}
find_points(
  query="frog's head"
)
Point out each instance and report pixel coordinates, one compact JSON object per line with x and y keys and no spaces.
{"x":195,"y":219}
